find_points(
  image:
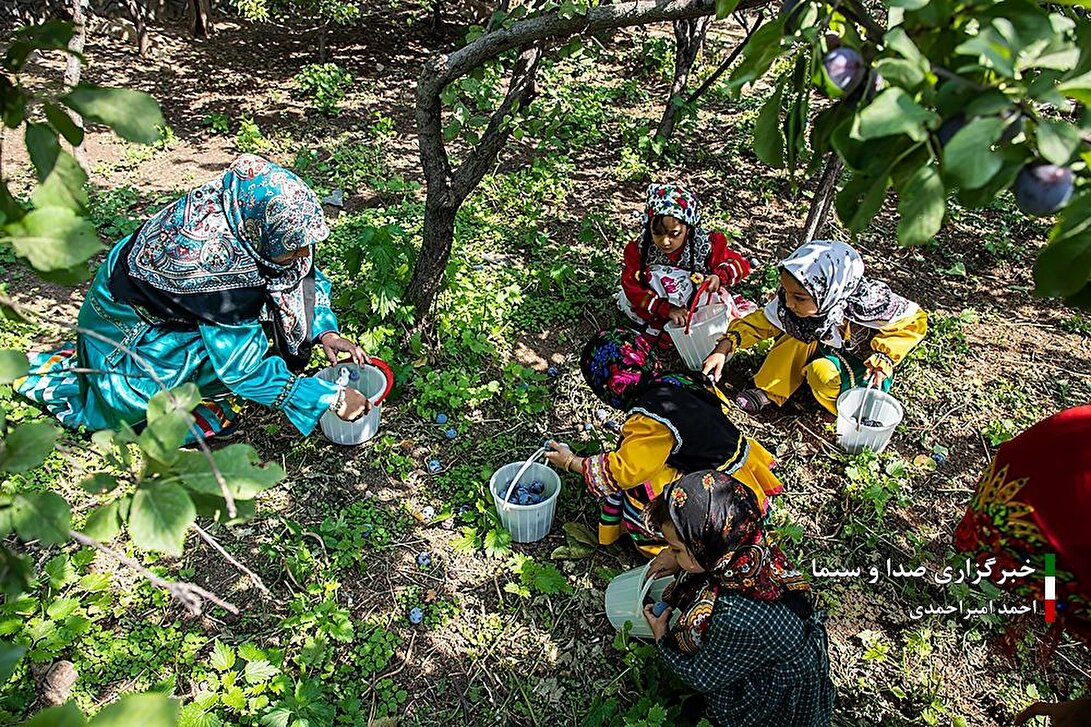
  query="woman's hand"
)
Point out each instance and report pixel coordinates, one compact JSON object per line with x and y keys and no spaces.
{"x":334,"y":344}
{"x":714,"y":283}
{"x":714,"y":363}
{"x":664,"y":564}
{"x":560,"y":455}
{"x":353,"y":406}
{"x":678,"y":316}
{"x":876,"y":371}
{"x":1061,"y":714}
{"x":660,"y":624}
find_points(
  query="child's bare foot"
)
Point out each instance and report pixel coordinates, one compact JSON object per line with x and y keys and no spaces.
{"x":752,"y":401}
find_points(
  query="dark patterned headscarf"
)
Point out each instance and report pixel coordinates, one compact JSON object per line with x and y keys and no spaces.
{"x":832,"y":272}
{"x":617,"y":363}
{"x":719,"y":521}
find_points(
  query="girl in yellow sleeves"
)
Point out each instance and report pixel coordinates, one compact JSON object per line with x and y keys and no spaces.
{"x":833,"y":328}
{"x":676,"y":424}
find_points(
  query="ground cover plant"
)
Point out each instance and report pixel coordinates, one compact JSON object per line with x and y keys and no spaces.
{"x":354,"y":625}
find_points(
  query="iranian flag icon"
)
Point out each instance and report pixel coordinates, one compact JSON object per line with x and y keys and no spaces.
{"x":1051,"y":588}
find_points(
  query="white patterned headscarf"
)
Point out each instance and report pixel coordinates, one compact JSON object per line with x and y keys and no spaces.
{"x":677,"y":201}
{"x":832,"y":272}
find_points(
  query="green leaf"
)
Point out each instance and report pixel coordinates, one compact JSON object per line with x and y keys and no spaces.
{"x":240,"y":466}
{"x":768,"y":141}
{"x":725,"y":8}
{"x":53,"y":239}
{"x":43,"y":148}
{"x":181,"y":398}
{"x":145,"y":710}
{"x":60,"y":570}
{"x":893,"y":112}
{"x":62,"y":608}
{"x":133,"y":115}
{"x":160,"y":516}
{"x":10,"y":654}
{"x":1063,"y":267}
{"x":41,"y":516}
{"x":968,"y":159}
{"x":234,"y":698}
{"x":50,"y":35}
{"x":169,"y":422}
{"x":259,"y":671}
{"x":64,"y":187}
{"x":60,"y":120}
{"x":580,"y":533}
{"x":1057,"y":141}
{"x":921,"y":205}
{"x":571,"y":552}
{"x":544,"y":578}
{"x":104,"y":523}
{"x":860,"y":199}
{"x":13,"y":364}
{"x":99,"y":483}
{"x":27,"y":446}
{"x":1078,"y":88}
{"x":66,"y":715}
{"x":497,"y":542}
{"x":222,"y":657}
{"x":759,"y":54}
{"x":14,"y":573}
{"x":900,"y":72}
{"x":992,"y":50}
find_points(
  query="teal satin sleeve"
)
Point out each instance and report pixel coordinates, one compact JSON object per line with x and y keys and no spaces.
{"x":324,"y":319}
{"x":237,"y":354}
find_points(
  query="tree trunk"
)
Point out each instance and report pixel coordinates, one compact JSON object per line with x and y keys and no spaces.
{"x":74,"y":66}
{"x":139,"y":13}
{"x":431,"y":266}
{"x":200,"y":18}
{"x":689,"y":38}
{"x":823,"y":199}
{"x":322,"y":31}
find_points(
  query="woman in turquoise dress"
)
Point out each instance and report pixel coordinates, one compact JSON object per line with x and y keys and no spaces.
{"x":218,"y":289}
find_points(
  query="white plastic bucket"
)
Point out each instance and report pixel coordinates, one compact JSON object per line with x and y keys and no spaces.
{"x":706,"y":327}
{"x":859,"y":405}
{"x":625,"y":599}
{"x":374,"y":380}
{"x":526,"y":523}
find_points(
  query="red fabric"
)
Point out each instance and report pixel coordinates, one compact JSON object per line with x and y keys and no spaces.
{"x":1036,"y":499}
{"x":729,"y":266}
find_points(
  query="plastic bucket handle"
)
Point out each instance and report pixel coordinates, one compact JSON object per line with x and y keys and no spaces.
{"x":384,"y":369}
{"x":863,"y":400}
{"x":519,"y":475}
{"x":702,"y":288}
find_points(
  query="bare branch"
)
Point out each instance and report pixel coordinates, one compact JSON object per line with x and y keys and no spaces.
{"x":191,"y":596}
{"x":254,"y":578}
{"x":199,"y":436}
{"x":722,"y":68}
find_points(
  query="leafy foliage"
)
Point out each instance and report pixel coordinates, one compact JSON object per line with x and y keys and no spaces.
{"x":324,"y":84}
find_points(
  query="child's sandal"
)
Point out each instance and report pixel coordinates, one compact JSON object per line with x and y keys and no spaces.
{"x":752,"y":401}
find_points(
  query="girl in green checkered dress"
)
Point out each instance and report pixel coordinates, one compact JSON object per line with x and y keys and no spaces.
{"x":747,"y":636}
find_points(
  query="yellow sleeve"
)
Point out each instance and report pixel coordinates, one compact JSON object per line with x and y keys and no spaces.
{"x":898,"y":339}
{"x":746,"y":331}
{"x":640,"y":458}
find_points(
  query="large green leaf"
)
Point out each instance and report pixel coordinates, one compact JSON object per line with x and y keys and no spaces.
{"x":50,"y":35}
{"x":1063,"y":267}
{"x":159,"y":517}
{"x":759,"y":54}
{"x":181,"y":398}
{"x":60,"y":120}
{"x":13,"y":364}
{"x":105,"y":522}
{"x":860,"y":199}
{"x":921,"y":206}
{"x":968,"y":159}
{"x":41,"y":516}
{"x":768,"y":142}
{"x":1057,"y":141}
{"x":27,"y":446}
{"x":65,"y":715}
{"x":725,"y":8}
{"x":992,"y":50}
{"x":239,"y":465}
{"x":133,"y":115}
{"x":42,"y":147}
{"x":64,"y":187}
{"x":893,"y":112}
{"x":53,"y":239}
{"x":15,"y":572}
{"x":900,"y":71}
{"x":1078,"y":88}
{"x":10,"y":654}
{"x":144,"y":710}
{"x":169,"y":422}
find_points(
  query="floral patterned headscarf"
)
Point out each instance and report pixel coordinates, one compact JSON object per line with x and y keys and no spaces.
{"x":1034,"y":499}
{"x":719,"y":521}
{"x":675,"y":200}
{"x":616,"y":363}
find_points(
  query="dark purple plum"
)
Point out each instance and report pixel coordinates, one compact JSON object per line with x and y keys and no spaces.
{"x":844,"y":69}
{"x":950,"y":127}
{"x":1042,"y":189}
